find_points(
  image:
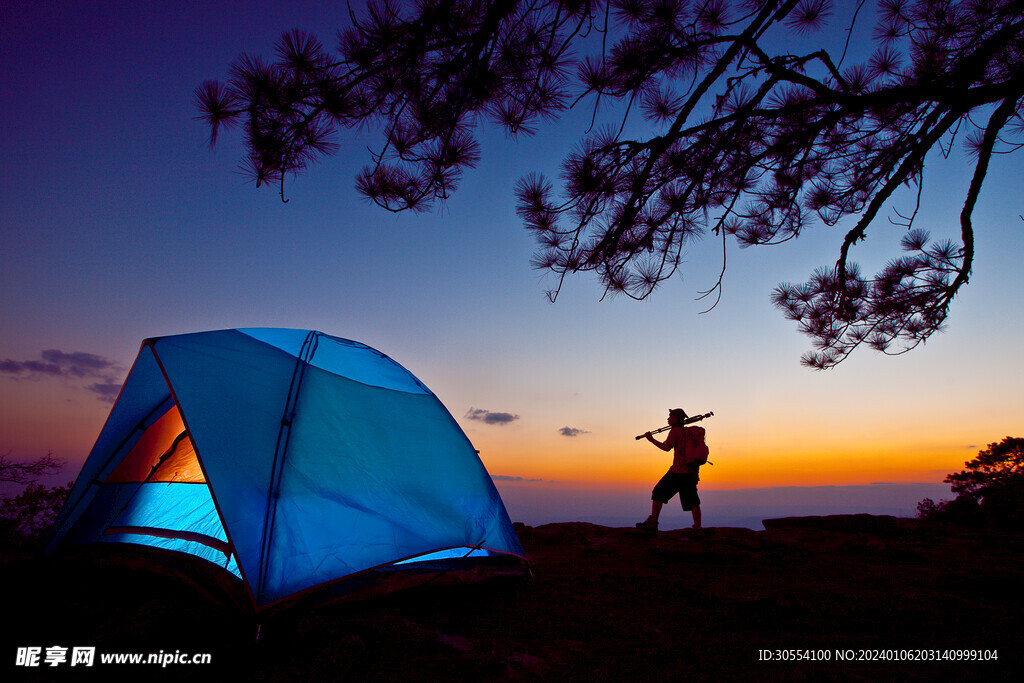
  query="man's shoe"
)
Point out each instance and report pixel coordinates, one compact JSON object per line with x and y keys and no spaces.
{"x":650,"y":524}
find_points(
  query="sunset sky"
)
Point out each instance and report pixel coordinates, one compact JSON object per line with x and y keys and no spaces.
{"x":118,"y":223}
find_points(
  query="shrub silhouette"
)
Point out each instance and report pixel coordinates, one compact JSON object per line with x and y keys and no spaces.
{"x":27,"y":517}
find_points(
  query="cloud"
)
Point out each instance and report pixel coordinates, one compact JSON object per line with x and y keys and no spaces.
{"x":572,"y":431}
{"x":28,"y":367}
{"x":505,"y":477}
{"x":490,"y":417}
{"x":105,"y":391}
{"x":79,"y":363}
{"x":74,"y":365}
{"x":60,"y":364}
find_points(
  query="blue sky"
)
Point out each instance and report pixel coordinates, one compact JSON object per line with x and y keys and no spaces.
{"x":117,"y":223}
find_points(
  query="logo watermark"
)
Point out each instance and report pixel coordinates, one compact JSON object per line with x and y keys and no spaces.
{"x":60,"y":656}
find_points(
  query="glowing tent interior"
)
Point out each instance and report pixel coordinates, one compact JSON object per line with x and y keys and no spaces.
{"x":290,"y":458}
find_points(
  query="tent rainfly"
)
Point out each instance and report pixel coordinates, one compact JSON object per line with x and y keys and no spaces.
{"x":290,"y":458}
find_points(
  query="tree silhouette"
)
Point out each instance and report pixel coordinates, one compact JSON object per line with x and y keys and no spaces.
{"x":998,"y":466}
{"x":27,"y":472}
{"x":990,"y":488}
{"x":748,"y":141}
{"x":33,"y":512}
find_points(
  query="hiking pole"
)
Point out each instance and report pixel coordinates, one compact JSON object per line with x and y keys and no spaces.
{"x":689,"y":420}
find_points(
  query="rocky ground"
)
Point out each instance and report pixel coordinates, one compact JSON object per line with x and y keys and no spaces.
{"x":602,"y":604}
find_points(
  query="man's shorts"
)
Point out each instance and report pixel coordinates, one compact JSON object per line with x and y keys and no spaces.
{"x":684,"y":484}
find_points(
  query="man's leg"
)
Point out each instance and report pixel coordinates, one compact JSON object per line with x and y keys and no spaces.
{"x":663,"y":491}
{"x":690,"y":500}
{"x":651,"y":523}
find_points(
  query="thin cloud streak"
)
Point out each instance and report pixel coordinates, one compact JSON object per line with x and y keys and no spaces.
{"x":105,"y":391}
{"x":490,"y":417}
{"x":69,"y":366}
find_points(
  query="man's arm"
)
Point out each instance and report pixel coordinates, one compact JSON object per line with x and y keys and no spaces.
{"x":669,"y":443}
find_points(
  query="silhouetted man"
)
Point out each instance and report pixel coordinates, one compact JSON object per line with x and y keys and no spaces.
{"x":682,"y":477}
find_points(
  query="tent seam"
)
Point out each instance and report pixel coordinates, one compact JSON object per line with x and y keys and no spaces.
{"x":199,"y":459}
{"x":280,"y":453}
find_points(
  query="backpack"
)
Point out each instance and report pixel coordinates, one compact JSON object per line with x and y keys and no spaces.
{"x":698,"y":448}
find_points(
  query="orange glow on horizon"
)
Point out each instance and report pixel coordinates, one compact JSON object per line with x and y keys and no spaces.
{"x":824,"y":459}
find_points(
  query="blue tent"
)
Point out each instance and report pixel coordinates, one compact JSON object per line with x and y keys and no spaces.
{"x":290,"y":458}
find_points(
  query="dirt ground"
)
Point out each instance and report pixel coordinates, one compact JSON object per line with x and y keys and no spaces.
{"x":829,"y":598}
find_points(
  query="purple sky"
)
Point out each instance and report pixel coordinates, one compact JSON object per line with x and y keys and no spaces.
{"x":118,"y":223}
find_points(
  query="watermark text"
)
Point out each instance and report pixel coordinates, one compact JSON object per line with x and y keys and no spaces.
{"x":60,"y":656}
